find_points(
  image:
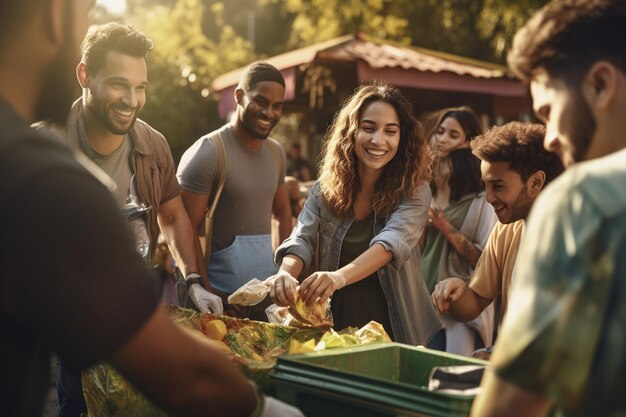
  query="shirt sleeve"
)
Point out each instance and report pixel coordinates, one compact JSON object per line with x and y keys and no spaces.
{"x":76,"y":279}
{"x":303,"y":239}
{"x":169,"y":183}
{"x":558,"y":298}
{"x":486,"y":223}
{"x":283,"y":157}
{"x":405,"y":226}
{"x":197,"y":170}
{"x":487,"y":277}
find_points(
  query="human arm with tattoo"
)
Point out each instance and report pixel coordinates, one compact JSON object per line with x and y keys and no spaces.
{"x":461,"y":243}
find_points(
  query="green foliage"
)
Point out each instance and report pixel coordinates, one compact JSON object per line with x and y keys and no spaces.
{"x":197,"y":40}
{"x":500,"y":19}
{"x":320,"y":20}
{"x":182,"y":66}
{"x":479,"y":29}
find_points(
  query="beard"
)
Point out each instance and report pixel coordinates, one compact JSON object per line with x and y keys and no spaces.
{"x":581,"y":129}
{"x":254,"y":132}
{"x":248,"y":122}
{"x":576,"y":131}
{"x":520,"y":208}
{"x":59,"y":86}
{"x":98,"y":109}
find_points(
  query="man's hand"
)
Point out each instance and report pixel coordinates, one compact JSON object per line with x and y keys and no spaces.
{"x":448,"y":291}
{"x":205,"y":301}
{"x":283,"y":288}
{"x":319,"y":286}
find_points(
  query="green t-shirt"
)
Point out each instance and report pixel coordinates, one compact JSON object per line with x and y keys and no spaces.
{"x":356,"y":241}
{"x":435,"y":253}
{"x":564,"y":335}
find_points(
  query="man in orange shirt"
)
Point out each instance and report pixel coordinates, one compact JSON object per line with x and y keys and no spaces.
{"x":515,"y":167}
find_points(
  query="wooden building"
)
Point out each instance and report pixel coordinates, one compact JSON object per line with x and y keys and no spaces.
{"x":320,"y":77}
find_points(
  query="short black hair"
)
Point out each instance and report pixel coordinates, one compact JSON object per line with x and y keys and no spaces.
{"x":114,"y":36}
{"x":259,"y":72}
{"x":566,"y":37}
{"x":521,"y":145}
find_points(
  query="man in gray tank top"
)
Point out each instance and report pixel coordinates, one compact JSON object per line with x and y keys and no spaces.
{"x":254,"y":188}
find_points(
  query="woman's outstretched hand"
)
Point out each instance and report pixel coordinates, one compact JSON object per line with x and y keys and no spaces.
{"x":319,"y":286}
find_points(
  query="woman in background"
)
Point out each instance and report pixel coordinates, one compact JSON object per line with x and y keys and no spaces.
{"x":459,"y":221}
{"x":362,"y":221}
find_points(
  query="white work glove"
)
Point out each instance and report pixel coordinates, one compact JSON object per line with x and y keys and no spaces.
{"x":319,"y":286}
{"x":205,"y":301}
{"x":271,"y":407}
{"x":283,"y":288}
{"x":277,"y":408}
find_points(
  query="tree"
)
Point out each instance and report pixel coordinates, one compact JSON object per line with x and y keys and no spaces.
{"x":320,"y":20}
{"x":480,"y":29}
{"x":182,"y":66}
{"x":197,"y":40}
{"x":500,"y":19}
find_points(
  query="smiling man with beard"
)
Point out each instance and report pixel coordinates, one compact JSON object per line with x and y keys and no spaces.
{"x":515,"y":168}
{"x":103,"y":125}
{"x":254,"y":186}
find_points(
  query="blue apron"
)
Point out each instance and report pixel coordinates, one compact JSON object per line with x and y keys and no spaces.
{"x":248,"y":257}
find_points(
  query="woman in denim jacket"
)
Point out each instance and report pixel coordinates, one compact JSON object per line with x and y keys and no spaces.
{"x":362,"y":220}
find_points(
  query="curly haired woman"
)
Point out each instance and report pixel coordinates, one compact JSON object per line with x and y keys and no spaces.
{"x":362,"y":221}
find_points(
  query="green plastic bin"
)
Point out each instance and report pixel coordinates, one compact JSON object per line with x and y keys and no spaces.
{"x":379,"y":380}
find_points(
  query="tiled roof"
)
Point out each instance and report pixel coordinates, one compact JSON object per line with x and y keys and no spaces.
{"x":377,"y":54}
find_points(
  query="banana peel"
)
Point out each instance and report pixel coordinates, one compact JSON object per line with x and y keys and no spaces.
{"x":313,"y":314}
{"x":372,"y":332}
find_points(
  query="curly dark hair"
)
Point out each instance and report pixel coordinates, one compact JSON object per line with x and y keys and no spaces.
{"x":521,"y":145}
{"x":401,"y":176}
{"x":566,"y":37}
{"x":113,"y":36}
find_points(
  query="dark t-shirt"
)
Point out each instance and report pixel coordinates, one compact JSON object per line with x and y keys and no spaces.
{"x":71,"y":281}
